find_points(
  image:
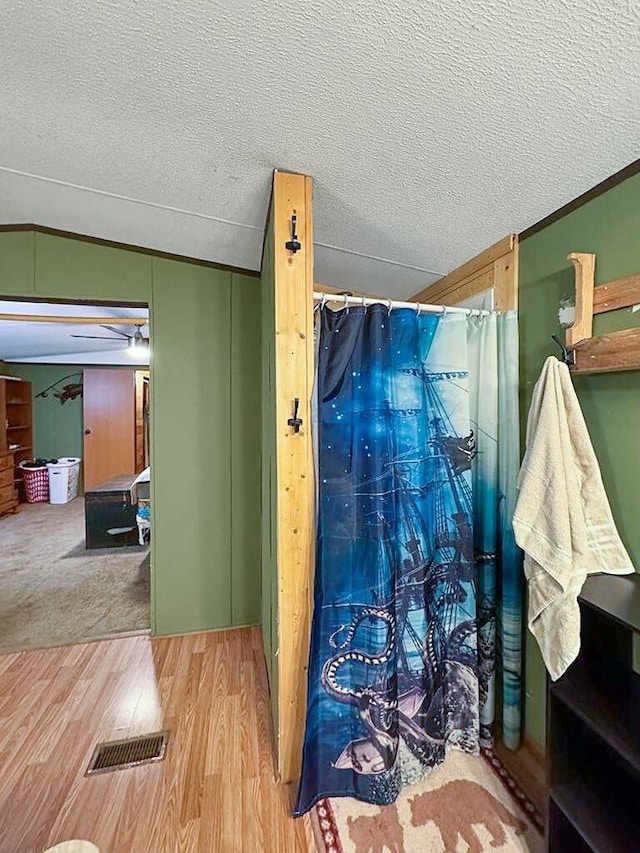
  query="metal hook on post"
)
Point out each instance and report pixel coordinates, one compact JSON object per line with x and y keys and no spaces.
{"x":293,"y":245}
{"x":295,"y":421}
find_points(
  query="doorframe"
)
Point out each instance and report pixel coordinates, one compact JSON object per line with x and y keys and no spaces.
{"x":126,"y":304}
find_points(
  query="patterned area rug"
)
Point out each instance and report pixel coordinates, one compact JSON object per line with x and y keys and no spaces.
{"x":467,"y":805}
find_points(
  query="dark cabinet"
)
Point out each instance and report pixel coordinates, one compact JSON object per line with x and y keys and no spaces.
{"x":110,"y":516}
{"x":593,"y":728}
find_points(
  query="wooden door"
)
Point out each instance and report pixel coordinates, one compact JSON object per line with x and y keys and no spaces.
{"x":109,"y":411}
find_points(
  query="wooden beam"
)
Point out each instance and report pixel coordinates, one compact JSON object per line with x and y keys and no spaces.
{"x":620,"y":293}
{"x":80,"y":321}
{"x":462,"y":290}
{"x":470,"y":269}
{"x":584,"y":264}
{"x":294,"y":359}
{"x":494,"y":269}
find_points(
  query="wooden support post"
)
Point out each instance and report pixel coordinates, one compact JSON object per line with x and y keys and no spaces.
{"x":292,"y":282}
{"x":505,"y":279}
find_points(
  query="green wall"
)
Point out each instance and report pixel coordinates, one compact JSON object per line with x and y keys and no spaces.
{"x":205,"y":417}
{"x":609,"y":226}
{"x":269,"y":474}
{"x":57,"y":428}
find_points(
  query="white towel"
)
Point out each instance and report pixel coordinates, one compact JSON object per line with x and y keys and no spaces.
{"x":143,"y":477}
{"x":562,"y":520}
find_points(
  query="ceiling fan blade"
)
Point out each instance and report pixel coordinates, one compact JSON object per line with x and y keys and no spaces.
{"x":97,"y":338}
{"x":117,"y":331}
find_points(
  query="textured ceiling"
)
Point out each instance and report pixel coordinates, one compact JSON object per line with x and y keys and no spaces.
{"x":431,"y":128}
{"x":53,"y":342}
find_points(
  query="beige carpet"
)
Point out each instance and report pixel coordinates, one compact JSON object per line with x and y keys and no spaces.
{"x":461,"y":807}
{"x":53,"y":591}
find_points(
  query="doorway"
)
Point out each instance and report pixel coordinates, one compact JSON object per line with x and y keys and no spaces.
{"x":75,"y":558}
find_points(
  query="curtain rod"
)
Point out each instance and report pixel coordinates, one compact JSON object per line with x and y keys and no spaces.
{"x":419,"y":307}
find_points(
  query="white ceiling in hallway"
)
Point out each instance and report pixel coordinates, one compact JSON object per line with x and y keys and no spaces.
{"x":56,"y":343}
{"x":431,"y":129}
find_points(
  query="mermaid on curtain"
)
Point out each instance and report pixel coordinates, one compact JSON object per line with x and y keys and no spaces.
{"x":402,"y":659}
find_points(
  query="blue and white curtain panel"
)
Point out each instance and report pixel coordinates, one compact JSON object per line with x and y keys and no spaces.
{"x":417,"y":577}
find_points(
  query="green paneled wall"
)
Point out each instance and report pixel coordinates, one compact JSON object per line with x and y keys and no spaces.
{"x":84,"y":270}
{"x":57,"y":428}
{"x":205,"y":427}
{"x":609,"y":226}
{"x":269,"y":474}
{"x":245,"y":447}
{"x":17,"y":263}
{"x":191,"y":447}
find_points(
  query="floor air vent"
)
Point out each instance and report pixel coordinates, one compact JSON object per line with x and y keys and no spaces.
{"x":118,"y":754}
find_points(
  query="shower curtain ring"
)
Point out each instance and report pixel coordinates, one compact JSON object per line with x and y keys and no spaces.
{"x":388,"y":307}
{"x":324,"y":300}
{"x":346,"y":303}
{"x":444,"y":311}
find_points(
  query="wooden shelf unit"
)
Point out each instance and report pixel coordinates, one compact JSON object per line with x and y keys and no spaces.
{"x":593,"y":722}
{"x":613,"y":352}
{"x":16,"y":428}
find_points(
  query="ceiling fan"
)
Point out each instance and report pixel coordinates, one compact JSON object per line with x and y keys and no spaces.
{"x":136,"y":341}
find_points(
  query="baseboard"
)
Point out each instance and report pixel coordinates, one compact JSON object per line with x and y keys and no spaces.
{"x":536,"y":750}
{"x":527,"y":766}
{"x":204,"y":630}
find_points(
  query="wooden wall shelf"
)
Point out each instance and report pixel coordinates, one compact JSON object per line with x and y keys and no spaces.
{"x":616,"y":351}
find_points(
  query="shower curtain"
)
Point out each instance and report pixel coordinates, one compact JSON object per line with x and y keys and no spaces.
{"x":415,"y":559}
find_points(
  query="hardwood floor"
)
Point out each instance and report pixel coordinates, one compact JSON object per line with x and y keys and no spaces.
{"x":213,"y":793}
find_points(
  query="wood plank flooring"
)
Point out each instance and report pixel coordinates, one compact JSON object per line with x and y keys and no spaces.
{"x":214,"y":792}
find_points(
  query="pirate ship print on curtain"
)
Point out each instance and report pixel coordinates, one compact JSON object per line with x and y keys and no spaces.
{"x":393,"y":674}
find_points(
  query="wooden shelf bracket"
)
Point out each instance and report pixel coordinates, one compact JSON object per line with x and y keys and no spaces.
{"x":616,"y":351}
